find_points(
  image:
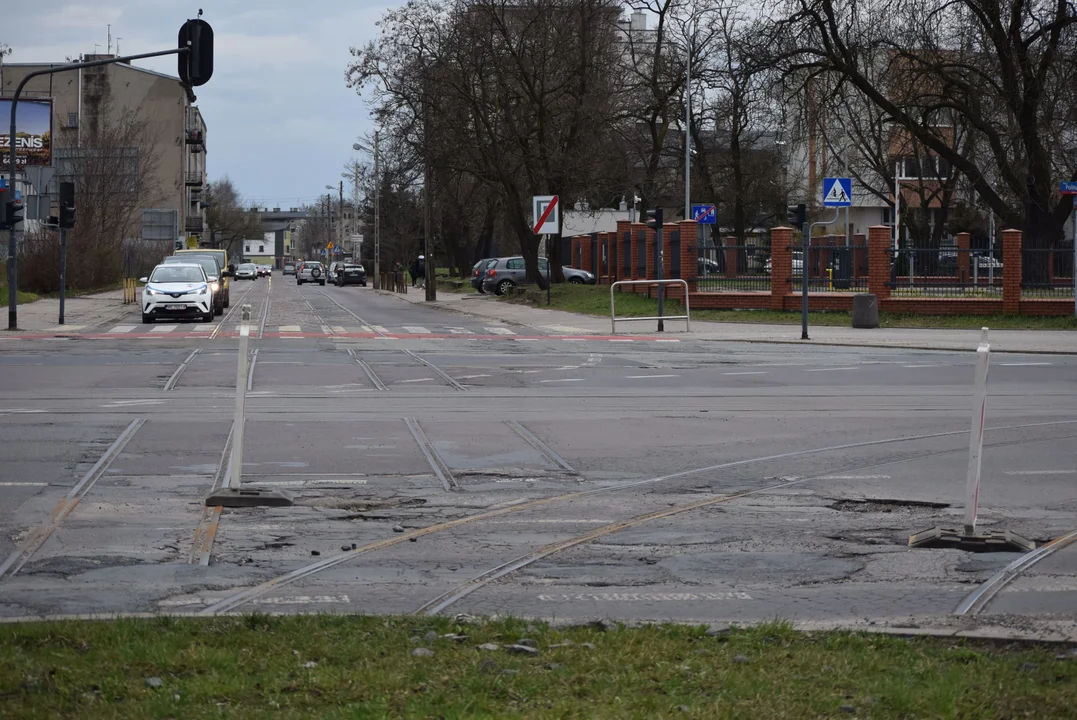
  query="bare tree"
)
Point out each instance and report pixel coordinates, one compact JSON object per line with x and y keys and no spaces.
{"x":228,"y":220}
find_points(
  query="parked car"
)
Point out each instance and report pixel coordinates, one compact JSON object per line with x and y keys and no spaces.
{"x":706,"y":266}
{"x":501,"y":274}
{"x":350,"y":274}
{"x":478,"y":273}
{"x":310,"y":271}
{"x":214,"y":274}
{"x":177,"y":290}
{"x":289,"y":268}
{"x":798,"y":263}
{"x":247,"y":271}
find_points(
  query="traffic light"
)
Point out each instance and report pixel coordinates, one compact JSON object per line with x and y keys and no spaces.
{"x":13,"y":213}
{"x":798,"y":215}
{"x":67,"y":205}
{"x":196,"y":65}
{"x":654,"y":219}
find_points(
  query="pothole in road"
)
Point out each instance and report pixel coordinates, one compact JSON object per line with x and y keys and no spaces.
{"x":881,"y":505}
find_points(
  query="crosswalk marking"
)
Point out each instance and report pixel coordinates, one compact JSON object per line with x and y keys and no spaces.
{"x":416,"y":330}
{"x":288,"y":328}
{"x":164,"y":328}
{"x":500,"y":330}
{"x":122,"y":328}
{"x":204,"y":328}
{"x":460,"y":331}
{"x":338,"y":328}
{"x":379,"y":329}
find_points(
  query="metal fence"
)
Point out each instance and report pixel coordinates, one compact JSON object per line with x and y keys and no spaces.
{"x":1047,"y":272}
{"x":733,"y":268}
{"x":831,"y":268}
{"x":945,"y":272}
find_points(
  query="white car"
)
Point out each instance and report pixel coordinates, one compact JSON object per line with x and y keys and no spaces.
{"x":246,"y":271}
{"x":177,"y":291}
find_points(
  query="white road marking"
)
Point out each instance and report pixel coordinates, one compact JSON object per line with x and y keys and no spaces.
{"x":300,"y":483}
{"x":572,"y":339}
{"x":338,"y":328}
{"x":622,"y":340}
{"x":288,"y":328}
{"x":122,"y":328}
{"x":460,"y":331}
{"x":747,"y":372}
{"x":500,"y":330}
{"x":1041,"y":472}
{"x":920,"y":366}
{"x":828,"y":369}
{"x":1024,"y":364}
{"x":668,"y":340}
{"x":416,"y":330}
{"x":121,"y":403}
{"x":469,"y":377}
{"x":379,"y":329}
{"x":163,"y":328}
{"x":326,"y":330}
{"x":647,"y":377}
{"x":16,"y":411}
{"x":417,"y":380}
{"x":649,"y":597}
{"x":22,"y":484}
{"x":562,"y":380}
{"x":61,"y":328}
{"x":287,"y":600}
{"x":855,"y":477}
{"x":207,"y":328}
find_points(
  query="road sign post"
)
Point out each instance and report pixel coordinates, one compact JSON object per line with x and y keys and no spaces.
{"x":1070,"y":188}
{"x":546,"y":213}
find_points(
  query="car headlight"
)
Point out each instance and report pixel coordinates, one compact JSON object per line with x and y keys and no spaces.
{"x":204,"y":290}
{"x":151,"y":292}
{"x":215,"y":286}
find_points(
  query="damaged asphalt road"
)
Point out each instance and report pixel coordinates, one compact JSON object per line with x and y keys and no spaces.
{"x":687,"y":481}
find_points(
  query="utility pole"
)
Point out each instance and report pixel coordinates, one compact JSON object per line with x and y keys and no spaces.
{"x":688,"y":132}
{"x":340,"y":222}
{"x":428,"y":200}
{"x":377,"y":212}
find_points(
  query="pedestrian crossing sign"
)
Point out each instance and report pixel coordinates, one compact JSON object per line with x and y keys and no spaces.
{"x":837,"y":192}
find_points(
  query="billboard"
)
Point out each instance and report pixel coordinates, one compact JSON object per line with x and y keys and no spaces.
{"x":33,"y":132}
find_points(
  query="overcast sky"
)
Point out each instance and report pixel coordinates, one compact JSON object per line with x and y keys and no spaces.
{"x":281,"y":121}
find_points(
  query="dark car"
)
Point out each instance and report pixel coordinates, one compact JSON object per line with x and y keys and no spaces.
{"x":478,"y":273}
{"x":350,"y":274}
{"x":289,"y":269}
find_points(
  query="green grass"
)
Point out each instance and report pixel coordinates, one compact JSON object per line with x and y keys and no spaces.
{"x":21,"y":298}
{"x":359,"y":667}
{"x":595,"y":300}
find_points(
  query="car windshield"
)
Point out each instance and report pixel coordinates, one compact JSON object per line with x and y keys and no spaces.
{"x":177,"y":274}
{"x":246,"y":266}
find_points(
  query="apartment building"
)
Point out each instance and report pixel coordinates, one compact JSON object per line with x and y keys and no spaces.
{"x":87,"y":103}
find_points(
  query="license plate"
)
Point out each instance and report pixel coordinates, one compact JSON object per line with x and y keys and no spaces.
{"x":175,"y":307}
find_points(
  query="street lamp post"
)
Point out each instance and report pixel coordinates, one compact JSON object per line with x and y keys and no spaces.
{"x":377,"y":206}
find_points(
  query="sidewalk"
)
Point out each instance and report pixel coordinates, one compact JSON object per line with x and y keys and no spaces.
{"x":85,"y":311}
{"x":560,"y":322}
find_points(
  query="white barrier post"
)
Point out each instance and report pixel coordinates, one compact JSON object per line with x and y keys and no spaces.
{"x":236,"y":475}
{"x":976,"y":435}
{"x":234,"y":495}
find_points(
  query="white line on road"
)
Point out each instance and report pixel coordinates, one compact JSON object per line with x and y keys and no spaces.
{"x":122,"y":329}
{"x":22,"y":484}
{"x":1024,"y":364}
{"x":647,"y":377}
{"x":300,"y":483}
{"x":920,"y":366}
{"x":292,"y":600}
{"x":828,"y":369}
{"x":469,"y":377}
{"x":16,"y":411}
{"x":163,"y":328}
{"x":751,"y":372}
{"x":1041,"y":472}
{"x":669,"y":340}
{"x":562,"y":380}
{"x":379,"y":329}
{"x":417,"y":380}
{"x":416,"y":330}
{"x":648,"y":597}
{"x":459,"y":331}
{"x":855,"y":477}
{"x":288,"y":328}
{"x":122,"y":403}
{"x":500,"y":330}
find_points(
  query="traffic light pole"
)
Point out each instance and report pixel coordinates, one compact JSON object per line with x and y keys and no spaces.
{"x":660,"y":275}
{"x":63,"y":272}
{"x":12,"y":245}
{"x":805,"y":242}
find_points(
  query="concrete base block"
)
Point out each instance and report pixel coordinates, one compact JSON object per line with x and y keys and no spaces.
{"x":865,"y":311}
{"x":249,"y":497}
{"x":938,"y":537}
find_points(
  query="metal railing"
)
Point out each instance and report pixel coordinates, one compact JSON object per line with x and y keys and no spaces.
{"x":945,"y":272}
{"x":193,"y":177}
{"x":831,"y":268}
{"x":1047,"y":272}
{"x":733,"y":268}
{"x":394,"y":282}
{"x":613,"y":312}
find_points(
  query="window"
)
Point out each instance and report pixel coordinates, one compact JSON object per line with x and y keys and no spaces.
{"x":928,"y":168}
{"x":261,"y":248}
{"x":515,"y":264}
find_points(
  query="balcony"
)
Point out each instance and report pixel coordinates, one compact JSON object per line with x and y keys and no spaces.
{"x":193,"y":178}
{"x":193,"y":223}
{"x":195,"y":137}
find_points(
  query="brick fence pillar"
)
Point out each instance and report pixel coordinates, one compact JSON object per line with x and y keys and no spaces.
{"x":781,"y":265}
{"x":667,"y":250}
{"x":730,"y":250}
{"x":575,"y":259}
{"x":585,"y":244}
{"x":689,"y":252}
{"x":650,"y":258}
{"x":1011,"y":272}
{"x":623,"y":228}
{"x":963,"y":246}
{"x":879,"y":246}
{"x":637,"y":228}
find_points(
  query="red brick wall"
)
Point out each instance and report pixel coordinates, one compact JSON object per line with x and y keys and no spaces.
{"x":689,"y":252}
{"x":879,"y":245}
{"x":963,"y":245}
{"x":634,"y":247}
{"x":781,"y":265}
{"x":585,"y":240}
{"x":1011,"y":272}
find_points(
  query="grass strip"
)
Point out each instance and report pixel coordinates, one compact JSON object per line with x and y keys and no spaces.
{"x":595,"y":300}
{"x":356,"y":667}
{"x":21,"y":298}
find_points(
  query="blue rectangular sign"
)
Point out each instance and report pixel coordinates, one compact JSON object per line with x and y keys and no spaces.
{"x":837,"y":192}
{"x":1067,"y":188}
{"x":705,"y":214}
